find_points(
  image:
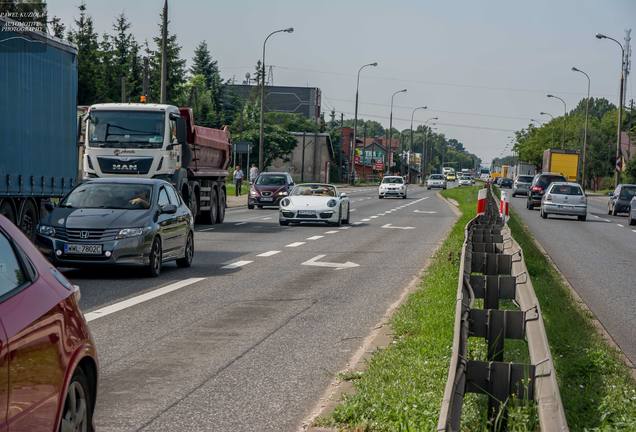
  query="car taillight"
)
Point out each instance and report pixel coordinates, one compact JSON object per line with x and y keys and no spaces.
{"x":537,"y":189}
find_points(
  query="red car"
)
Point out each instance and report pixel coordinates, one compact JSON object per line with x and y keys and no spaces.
{"x":48,"y":362}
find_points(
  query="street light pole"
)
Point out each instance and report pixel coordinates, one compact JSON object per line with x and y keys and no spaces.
{"x":261,"y":137}
{"x":551,"y":129}
{"x":587,"y":110}
{"x":391,"y":118}
{"x":617,"y":172}
{"x":424,"y":158}
{"x":355,"y":127}
{"x":408,"y":163}
{"x":565,"y":113}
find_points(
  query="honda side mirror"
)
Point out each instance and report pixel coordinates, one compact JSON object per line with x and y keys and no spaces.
{"x":169,"y":209}
{"x":49,"y":206}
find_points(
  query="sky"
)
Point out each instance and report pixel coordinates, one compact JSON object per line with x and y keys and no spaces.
{"x":483,"y":67}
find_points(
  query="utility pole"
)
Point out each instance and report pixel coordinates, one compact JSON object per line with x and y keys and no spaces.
{"x":364,"y":151}
{"x":341,"y":143}
{"x":164,"y":53}
{"x":123,"y":89}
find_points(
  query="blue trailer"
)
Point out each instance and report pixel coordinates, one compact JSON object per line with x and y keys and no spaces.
{"x":38,"y":123}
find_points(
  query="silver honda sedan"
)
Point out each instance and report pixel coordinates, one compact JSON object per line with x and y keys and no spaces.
{"x":564,"y":198}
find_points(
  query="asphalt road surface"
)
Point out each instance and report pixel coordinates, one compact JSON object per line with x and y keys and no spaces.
{"x":598,"y":258}
{"x":250,"y":336}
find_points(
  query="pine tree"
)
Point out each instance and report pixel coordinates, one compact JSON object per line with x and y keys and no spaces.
{"x":136,"y":72}
{"x":85,"y":38}
{"x":202,"y":64}
{"x":57,"y":27}
{"x":176,"y":67}
{"x":122,"y":42}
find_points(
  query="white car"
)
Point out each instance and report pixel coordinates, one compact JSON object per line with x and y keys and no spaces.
{"x":392,"y":186}
{"x":465,"y":181}
{"x":436,"y":181}
{"x":314,"y":202}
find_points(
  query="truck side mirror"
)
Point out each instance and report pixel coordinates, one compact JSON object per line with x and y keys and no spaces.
{"x":181,"y":131}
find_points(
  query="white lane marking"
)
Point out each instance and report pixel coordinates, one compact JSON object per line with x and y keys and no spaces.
{"x":240,"y":223}
{"x":621,"y":225}
{"x":357,"y":223}
{"x":206,"y":229}
{"x":373,"y":217}
{"x":344,"y":228}
{"x":595,"y":216}
{"x":633,"y":230}
{"x":266,"y":218}
{"x":365,"y":220}
{"x":352,"y":210}
{"x":125,"y":304}
{"x":295,"y":244}
{"x":338,"y":266}
{"x":236,"y":264}
{"x":316,"y":237}
{"x":331,"y":232}
{"x":397,"y":227}
{"x":268,"y":253}
{"x":424,"y":211}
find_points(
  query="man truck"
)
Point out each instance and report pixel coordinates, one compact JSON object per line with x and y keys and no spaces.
{"x":564,"y":162}
{"x":159,"y":141}
{"x":38,"y":124}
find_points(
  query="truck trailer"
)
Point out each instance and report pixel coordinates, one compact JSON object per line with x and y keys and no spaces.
{"x":38,"y":124}
{"x":565,"y":162}
{"x":160,"y":141}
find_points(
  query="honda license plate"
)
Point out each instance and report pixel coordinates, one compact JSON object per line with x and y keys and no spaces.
{"x":83,"y":249}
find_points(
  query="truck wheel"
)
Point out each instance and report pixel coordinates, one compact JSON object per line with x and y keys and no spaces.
{"x":220,"y":216}
{"x":28,"y":219}
{"x":6,"y":210}
{"x":214,"y":206}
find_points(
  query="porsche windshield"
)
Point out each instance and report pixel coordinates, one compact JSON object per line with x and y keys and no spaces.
{"x":315,"y":190}
{"x":129,"y":129}
{"x":109,"y":196}
{"x":393,"y":180}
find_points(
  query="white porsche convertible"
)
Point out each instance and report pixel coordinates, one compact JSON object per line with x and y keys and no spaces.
{"x":315,"y":202}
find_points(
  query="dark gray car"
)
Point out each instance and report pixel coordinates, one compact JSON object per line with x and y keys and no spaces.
{"x":620,"y":199}
{"x":125,"y":221}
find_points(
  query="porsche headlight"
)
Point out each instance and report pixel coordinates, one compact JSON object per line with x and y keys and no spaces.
{"x":46,"y":230}
{"x":285,"y":202}
{"x":332,"y":203}
{"x":129,"y":232}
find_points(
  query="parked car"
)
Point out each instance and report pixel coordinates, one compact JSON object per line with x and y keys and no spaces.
{"x":540,"y":182}
{"x":269,"y":188}
{"x":315,"y":202}
{"x":124,"y":221}
{"x":505,"y":183}
{"x":564,"y":198}
{"x":521,"y":186}
{"x":48,"y":356}
{"x":632,"y":211}
{"x":392,"y":186}
{"x":620,"y":199}
{"x":436,"y":181}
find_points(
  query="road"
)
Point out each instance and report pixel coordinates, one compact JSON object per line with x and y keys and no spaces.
{"x":249,"y":337}
{"x":597,"y":257}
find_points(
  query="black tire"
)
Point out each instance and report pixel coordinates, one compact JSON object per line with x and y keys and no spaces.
{"x":632,"y":221}
{"x":220,"y":214}
{"x":260,"y":207}
{"x":543,"y":214}
{"x":609,"y":211}
{"x":404,"y":197}
{"x":514,"y":195}
{"x":583,"y":218}
{"x":77,"y":413}
{"x":250,"y":206}
{"x":154,"y":259}
{"x":529,"y":205}
{"x":28,"y":219}
{"x":428,"y":188}
{"x":339,"y":221}
{"x":380,"y":197}
{"x":346,"y":221}
{"x":188,"y":253}
{"x":283,"y":223}
{"x":6,"y":210}
{"x":614,"y":212}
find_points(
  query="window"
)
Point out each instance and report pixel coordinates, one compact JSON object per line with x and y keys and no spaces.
{"x":174,"y":199}
{"x":173,"y":131}
{"x":163,"y":197}
{"x":11,"y":273}
{"x":565,"y":189}
{"x":109,"y":195}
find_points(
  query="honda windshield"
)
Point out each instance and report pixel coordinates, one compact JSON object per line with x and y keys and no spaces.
{"x":109,"y":196}
{"x":126,"y":129}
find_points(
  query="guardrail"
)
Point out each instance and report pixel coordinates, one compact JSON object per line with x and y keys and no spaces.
{"x":492,"y":268}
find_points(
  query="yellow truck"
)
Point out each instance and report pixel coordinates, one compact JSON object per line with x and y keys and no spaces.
{"x":564,"y":162}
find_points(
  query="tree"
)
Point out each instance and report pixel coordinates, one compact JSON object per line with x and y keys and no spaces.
{"x":202,"y":64}
{"x":85,"y":38}
{"x":57,"y":27}
{"x":175,"y":66}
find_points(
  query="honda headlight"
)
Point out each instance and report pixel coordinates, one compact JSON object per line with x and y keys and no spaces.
{"x":129,"y":232}
{"x":285,"y":202}
{"x":46,"y":230}
{"x":332,"y":203}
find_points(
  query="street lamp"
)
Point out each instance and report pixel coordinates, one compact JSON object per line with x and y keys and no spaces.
{"x":408,"y":155}
{"x":587,"y":109}
{"x":424,"y":147}
{"x":355,"y":125}
{"x":617,"y":172}
{"x":565,"y":113}
{"x":261,"y":138}
{"x":391,"y":118}
{"x":551,"y":129}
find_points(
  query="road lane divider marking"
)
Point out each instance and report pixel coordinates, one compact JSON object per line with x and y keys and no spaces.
{"x":365,"y":220}
{"x":389,"y":226}
{"x":268,"y":253}
{"x":621,"y":225}
{"x":343,"y":228}
{"x":374,"y":217}
{"x":295,"y":244}
{"x":424,"y":211}
{"x":352,"y":210}
{"x":357,"y":223}
{"x":236,"y":264}
{"x":634,"y":230}
{"x":331,"y":232}
{"x":338,"y":266}
{"x":206,"y":229}
{"x":316,"y":237}
{"x":240,"y":223}
{"x":125,"y":304}
{"x":267,"y":218}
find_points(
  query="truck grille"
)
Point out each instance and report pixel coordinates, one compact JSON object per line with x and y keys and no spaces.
{"x":110,"y":165}
{"x":85,"y":235}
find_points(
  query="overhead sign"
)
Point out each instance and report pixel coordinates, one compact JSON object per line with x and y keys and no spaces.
{"x":242,"y":146}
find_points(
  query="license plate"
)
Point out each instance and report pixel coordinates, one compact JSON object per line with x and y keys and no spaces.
{"x":83,"y":249}
{"x":306,"y":212}
{"x":268,"y":199}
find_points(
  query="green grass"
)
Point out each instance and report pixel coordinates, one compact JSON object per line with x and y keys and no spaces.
{"x":597,"y":390}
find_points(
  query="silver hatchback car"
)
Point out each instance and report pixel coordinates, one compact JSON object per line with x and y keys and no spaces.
{"x":564,"y":198}
{"x":521,"y":186}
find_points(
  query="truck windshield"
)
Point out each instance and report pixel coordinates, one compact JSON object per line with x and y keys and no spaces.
{"x":130,"y":129}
